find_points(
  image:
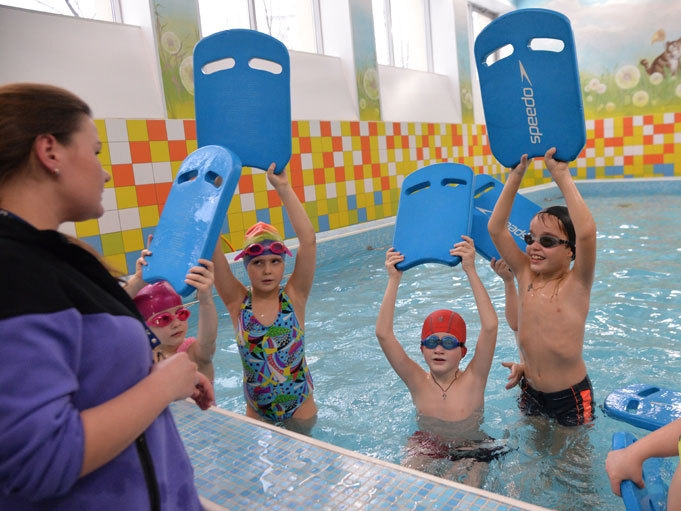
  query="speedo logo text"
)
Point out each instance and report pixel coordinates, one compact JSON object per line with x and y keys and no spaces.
{"x":530,"y":106}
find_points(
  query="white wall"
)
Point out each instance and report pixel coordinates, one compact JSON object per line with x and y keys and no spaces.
{"x":109,"y":65}
{"x":114,"y":68}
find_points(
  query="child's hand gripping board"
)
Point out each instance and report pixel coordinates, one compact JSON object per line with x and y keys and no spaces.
{"x":435,"y":210}
{"x":243,"y":96}
{"x":192,"y":216}
{"x":486,"y":192}
{"x":652,"y":497}
{"x":532,"y":98}
{"x":644,"y":406}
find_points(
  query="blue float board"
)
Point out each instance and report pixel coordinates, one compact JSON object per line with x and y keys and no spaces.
{"x":653,"y":496}
{"x":485,"y":195}
{"x":244,"y":108}
{"x":192,"y":216}
{"x":435,"y":210}
{"x":532,"y":98}
{"x":645,"y":406}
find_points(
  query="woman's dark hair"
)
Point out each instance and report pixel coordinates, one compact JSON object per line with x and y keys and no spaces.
{"x":564,"y":221}
{"x":28,"y":110}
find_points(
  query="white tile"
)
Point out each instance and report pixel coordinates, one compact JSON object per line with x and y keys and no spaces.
{"x":357,"y":157}
{"x":382,"y":143}
{"x":116,"y":130}
{"x":109,"y":222}
{"x":109,"y":199}
{"x":389,"y":128}
{"x":315,"y":129}
{"x":364,"y":128}
{"x":668,"y":118}
{"x":347,"y":143}
{"x":392,"y":168}
{"x":143,"y":173}
{"x":337,"y":159}
{"x":247,"y":202}
{"x":162,"y":172}
{"x":417,"y":128}
{"x":130,"y":218}
{"x":306,"y":161}
{"x":331,"y":192}
{"x":175,"y":129}
{"x":335,"y":128}
{"x":310,"y":193}
{"x":350,"y":188}
{"x":368,"y":185}
{"x":658,"y":138}
{"x":382,"y":155}
{"x":68,"y":228}
{"x":120,"y":153}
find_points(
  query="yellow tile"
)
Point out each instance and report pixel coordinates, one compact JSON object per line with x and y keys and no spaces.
{"x":234,"y":206}
{"x":100,"y":124}
{"x":356,"y":143}
{"x":340,"y":189}
{"x":259,"y":181}
{"x":308,"y":177}
{"x":277,"y":216}
{"x":303,"y":128}
{"x":112,"y":243}
{"x":137,"y":130}
{"x":192,"y":145}
{"x":316,"y":144}
{"x":148,"y":216}
{"x":322,"y":207}
{"x":361,"y":199}
{"x":236,"y":222}
{"x":353,"y":217}
{"x":329,"y":175}
{"x":295,"y":145}
{"x":126,"y":197}
{"x":320,"y":192}
{"x":118,"y":263}
{"x":317,"y":160}
{"x":132,"y":240}
{"x":249,"y":218}
{"x":105,"y":154}
{"x":159,"y":151}
{"x":343,"y":218}
{"x":334,"y":221}
{"x":87,"y":228}
{"x":175,"y":168}
{"x":327,"y":144}
{"x":261,"y":201}
{"x":342,"y":203}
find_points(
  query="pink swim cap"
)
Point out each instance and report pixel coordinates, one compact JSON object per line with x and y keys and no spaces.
{"x":157,"y":297}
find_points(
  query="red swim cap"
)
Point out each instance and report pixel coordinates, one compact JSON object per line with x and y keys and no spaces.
{"x":444,"y":320}
{"x":157,"y":297}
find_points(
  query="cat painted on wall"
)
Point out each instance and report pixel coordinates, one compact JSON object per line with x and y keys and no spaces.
{"x":669,"y":58}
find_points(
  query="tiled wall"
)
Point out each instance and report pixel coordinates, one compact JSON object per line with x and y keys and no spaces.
{"x":344,"y":172}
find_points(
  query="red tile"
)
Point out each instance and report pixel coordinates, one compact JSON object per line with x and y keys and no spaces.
{"x":123,"y":175}
{"x":354,"y":128}
{"x":177,"y":150}
{"x":296,"y":177}
{"x":157,"y":130}
{"x":337,"y":143}
{"x":339,"y":174}
{"x":295,"y":163}
{"x":162,"y":191}
{"x":327,"y":159}
{"x":319,"y":176}
{"x":190,"y":129}
{"x":140,"y":152}
{"x":325,"y":128}
{"x":305,"y":145}
{"x":273,"y":199}
{"x":246,"y":184}
{"x":146,"y":195}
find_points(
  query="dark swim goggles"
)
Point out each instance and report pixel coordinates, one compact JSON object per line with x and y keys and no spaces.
{"x":546,"y":241}
{"x":256,"y":249}
{"x":448,"y":342}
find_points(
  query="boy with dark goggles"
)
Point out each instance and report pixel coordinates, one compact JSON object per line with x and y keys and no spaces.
{"x":448,"y":342}
{"x":546,"y":241}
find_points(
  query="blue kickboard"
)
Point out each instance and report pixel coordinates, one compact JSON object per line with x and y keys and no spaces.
{"x":193,"y":214}
{"x":653,"y":496}
{"x":244,"y":108}
{"x":485,"y":195}
{"x":645,"y":406}
{"x":435,"y":210}
{"x":532,"y":99}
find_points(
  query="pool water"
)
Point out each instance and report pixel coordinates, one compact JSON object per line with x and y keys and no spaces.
{"x":633,"y":332}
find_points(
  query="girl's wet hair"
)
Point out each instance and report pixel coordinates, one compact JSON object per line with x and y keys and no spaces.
{"x":28,"y":110}
{"x":564,"y":221}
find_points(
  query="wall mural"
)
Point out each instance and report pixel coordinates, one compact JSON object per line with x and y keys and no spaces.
{"x":366,"y":66}
{"x":629,"y":54}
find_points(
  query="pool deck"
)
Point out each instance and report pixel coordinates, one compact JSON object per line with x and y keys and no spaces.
{"x":244,"y":464}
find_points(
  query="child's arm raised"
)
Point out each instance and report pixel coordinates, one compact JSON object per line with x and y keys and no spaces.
{"x":230,"y":289}
{"x":497,"y":225}
{"x":404,"y":366}
{"x":489,"y":323}
{"x":582,"y":220}
{"x":510,"y":292}
{"x":202,"y":351}
{"x":135,"y":283}
{"x":300,"y":282}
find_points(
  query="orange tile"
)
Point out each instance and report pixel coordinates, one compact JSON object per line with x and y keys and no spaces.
{"x":614,"y":142}
{"x":647,"y":140}
{"x":373,"y":129}
{"x":340,"y":174}
{"x":296,"y":177}
{"x":325,"y":127}
{"x":648,"y":119}
{"x":294,"y":128}
{"x":305,"y":145}
{"x":354,"y":129}
{"x":327,"y":159}
{"x":190,"y":129}
{"x":140,"y":152}
{"x":396,"y":129}
{"x":668,"y":149}
{"x":375,"y":170}
{"x":337,"y":143}
{"x":157,"y":130}
{"x":319,"y":176}
{"x":663,"y":128}
{"x":246,"y":184}
{"x":359,"y":172}
{"x":146,"y":195}
{"x":162,"y":191}
{"x":273,"y":200}
{"x":177,"y":150}
{"x":628,"y":160}
{"x":300,"y":192}
{"x":652,"y":158}
{"x":365,"y":144}
{"x":123,"y":175}
{"x":295,"y":163}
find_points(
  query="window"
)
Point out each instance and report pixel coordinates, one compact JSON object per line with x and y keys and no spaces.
{"x":104,"y":10}
{"x":480,"y":18}
{"x":293,"y":22}
{"x":402,"y":31}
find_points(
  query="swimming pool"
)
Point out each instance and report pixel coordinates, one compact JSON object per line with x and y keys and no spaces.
{"x":633,"y":328}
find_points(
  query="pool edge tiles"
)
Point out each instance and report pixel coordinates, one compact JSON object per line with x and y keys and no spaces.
{"x":244,"y":464}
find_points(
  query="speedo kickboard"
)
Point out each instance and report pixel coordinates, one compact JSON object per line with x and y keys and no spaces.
{"x":652,"y":497}
{"x":532,"y":98}
{"x":486,"y":192}
{"x":243,"y":96}
{"x":645,"y":406}
{"x":192,"y":216}
{"x":435,"y":210}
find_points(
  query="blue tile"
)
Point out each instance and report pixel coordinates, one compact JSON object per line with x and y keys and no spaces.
{"x":378,"y":198}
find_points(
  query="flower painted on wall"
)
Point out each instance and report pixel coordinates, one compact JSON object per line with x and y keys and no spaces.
{"x":678,"y":90}
{"x":656,"y":78}
{"x":640,"y":98}
{"x":370,"y":83}
{"x":187,"y":73}
{"x":170,"y":42}
{"x":627,"y":77}
{"x":610,"y":106}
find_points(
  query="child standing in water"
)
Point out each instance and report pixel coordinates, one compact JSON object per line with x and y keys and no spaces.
{"x":444,"y":394}
{"x":553,"y":297}
{"x":166,"y":316}
{"x":268,"y":318}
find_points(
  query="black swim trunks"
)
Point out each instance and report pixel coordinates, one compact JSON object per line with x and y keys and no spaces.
{"x":570,"y":407}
